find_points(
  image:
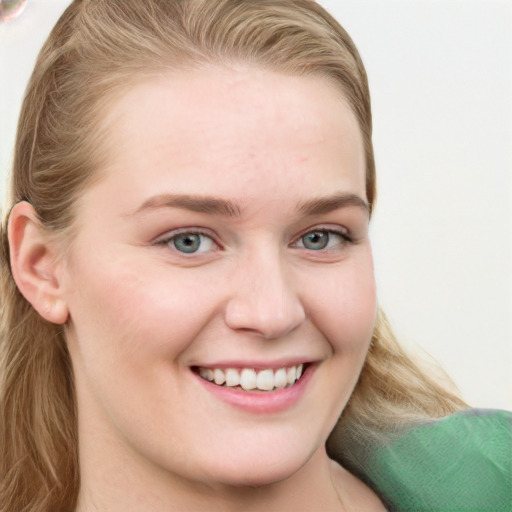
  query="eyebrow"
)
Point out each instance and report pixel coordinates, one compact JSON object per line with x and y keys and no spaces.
{"x":199,"y":204}
{"x":214,"y":205}
{"x":330,"y":203}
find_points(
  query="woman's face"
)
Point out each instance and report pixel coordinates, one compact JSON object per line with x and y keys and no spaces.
{"x":227,"y":238}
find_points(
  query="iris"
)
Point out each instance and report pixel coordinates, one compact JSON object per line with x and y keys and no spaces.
{"x":316,"y":240}
{"x":188,"y":242}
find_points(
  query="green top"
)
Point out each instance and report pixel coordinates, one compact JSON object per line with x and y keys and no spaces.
{"x":461,"y":463}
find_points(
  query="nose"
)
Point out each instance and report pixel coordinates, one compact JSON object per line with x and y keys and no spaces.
{"x":264,"y":299}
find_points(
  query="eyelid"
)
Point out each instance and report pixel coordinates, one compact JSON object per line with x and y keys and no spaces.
{"x":169,"y":235}
{"x":329,"y":228}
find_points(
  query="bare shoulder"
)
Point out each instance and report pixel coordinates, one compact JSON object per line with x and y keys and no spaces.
{"x":354,"y":494}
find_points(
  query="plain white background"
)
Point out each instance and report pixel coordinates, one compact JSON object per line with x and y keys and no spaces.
{"x":440,"y":74}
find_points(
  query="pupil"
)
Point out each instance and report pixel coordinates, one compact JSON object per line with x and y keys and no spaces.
{"x":187,"y":243}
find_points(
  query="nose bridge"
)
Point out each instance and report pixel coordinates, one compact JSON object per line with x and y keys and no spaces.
{"x":264,"y":297}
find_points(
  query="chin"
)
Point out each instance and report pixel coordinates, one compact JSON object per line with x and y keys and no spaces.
{"x":258,"y":472}
{"x":252,"y":478}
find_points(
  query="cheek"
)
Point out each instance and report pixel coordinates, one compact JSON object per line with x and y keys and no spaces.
{"x":135,"y":312}
{"x":345,"y":307}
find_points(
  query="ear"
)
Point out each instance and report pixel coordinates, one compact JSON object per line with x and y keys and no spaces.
{"x":34,"y":264}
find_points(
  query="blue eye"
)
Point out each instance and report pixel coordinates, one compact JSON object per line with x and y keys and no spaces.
{"x":321,"y":239}
{"x":316,"y":240}
{"x":189,"y":243}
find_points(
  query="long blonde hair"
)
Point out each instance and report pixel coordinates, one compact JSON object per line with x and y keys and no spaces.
{"x":97,"y":48}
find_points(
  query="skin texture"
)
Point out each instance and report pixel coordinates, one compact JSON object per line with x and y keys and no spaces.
{"x":140,"y":313}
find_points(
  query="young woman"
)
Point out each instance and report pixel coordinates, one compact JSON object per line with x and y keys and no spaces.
{"x":189,"y":317}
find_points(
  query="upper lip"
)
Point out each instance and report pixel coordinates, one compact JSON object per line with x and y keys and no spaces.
{"x":274,"y":364}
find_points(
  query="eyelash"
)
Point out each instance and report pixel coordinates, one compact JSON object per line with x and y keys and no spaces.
{"x":169,"y":238}
{"x":342,"y":234}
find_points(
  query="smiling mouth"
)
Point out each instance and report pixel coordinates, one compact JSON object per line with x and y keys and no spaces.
{"x":249,"y":379}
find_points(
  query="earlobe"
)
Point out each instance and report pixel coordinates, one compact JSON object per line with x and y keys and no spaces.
{"x":34,"y":265}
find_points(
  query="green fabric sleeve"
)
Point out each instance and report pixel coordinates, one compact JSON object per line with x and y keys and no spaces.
{"x":461,"y":463}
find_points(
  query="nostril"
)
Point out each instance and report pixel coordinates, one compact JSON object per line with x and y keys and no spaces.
{"x":269,"y":321}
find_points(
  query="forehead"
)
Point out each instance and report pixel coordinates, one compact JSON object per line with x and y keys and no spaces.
{"x":235,"y":131}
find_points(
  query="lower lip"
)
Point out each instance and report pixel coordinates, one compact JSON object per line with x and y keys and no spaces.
{"x":266,"y":402}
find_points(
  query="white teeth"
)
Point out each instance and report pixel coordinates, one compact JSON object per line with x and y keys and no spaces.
{"x":249,"y":379}
{"x":232,"y":378}
{"x":219,"y":376}
{"x":265,"y":380}
{"x":280,"y":378}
